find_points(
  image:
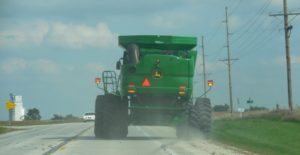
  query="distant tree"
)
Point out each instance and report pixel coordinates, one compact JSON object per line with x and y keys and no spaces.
{"x":57,"y":117}
{"x":256,"y":108}
{"x":33,"y":114}
{"x":221,"y":108}
{"x":71,"y":117}
{"x":67,"y":117}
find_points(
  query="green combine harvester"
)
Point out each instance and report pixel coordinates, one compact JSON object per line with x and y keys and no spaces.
{"x":155,"y":87}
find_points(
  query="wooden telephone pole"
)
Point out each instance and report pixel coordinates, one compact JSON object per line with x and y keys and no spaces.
{"x":287,"y":30}
{"x":204,"y":71}
{"x":228,"y":60}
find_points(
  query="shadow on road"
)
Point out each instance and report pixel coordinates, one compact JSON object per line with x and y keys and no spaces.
{"x":57,"y":138}
{"x":124,"y":139}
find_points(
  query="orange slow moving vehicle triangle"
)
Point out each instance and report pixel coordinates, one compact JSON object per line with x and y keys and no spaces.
{"x":146,"y":83}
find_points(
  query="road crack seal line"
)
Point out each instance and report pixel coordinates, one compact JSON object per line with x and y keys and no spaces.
{"x":161,"y":145}
{"x":57,"y":147}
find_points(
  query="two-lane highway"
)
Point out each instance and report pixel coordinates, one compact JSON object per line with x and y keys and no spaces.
{"x":39,"y":139}
{"x":78,"y":139}
{"x":144,"y":140}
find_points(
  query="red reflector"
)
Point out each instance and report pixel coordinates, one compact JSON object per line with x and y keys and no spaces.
{"x":131,"y":85}
{"x":146,"y":83}
{"x":182,"y":87}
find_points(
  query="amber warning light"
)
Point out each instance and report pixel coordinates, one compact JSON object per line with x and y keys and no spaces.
{"x":210,"y":83}
{"x":97,"y":80}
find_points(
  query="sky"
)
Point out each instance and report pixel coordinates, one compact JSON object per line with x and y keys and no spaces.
{"x":51,"y":51}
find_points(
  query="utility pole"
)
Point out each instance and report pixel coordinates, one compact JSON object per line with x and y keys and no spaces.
{"x":11,"y":111}
{"x":287,"y":31}
{"x":228,"y":62}
{"x":204,"y":72}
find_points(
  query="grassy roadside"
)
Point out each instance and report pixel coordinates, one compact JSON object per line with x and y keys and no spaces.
{"x":273,"y":133}
{"x":5,"y":129}
{"x":38,"y":122}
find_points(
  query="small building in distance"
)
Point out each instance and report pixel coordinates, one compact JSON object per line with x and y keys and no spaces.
{"x":19,"y":110}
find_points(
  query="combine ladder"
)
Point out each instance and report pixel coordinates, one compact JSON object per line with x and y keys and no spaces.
{"x":110,"y":82}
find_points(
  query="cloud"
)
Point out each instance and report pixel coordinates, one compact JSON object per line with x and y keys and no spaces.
{"x":210,"y":67}
{"x":277,"y":2}
{"x":295,"y":59}
{"x":163,"y":22}
{"x":26,"y":34}
{"x":282,"y":60}
{"x":215,"y":67}
{"x":45,"y":66}
{"x":171,"y":20}
{"x":290,"y":3}
{"x":77,"y":36}
{"x":59,"y":34}
{"x":42,"y":66}
{"x":13,"y":65}
{"x":234,"y":22}
{"x":94,"y":67}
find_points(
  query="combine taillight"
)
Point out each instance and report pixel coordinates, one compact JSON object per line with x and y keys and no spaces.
{"x":182,"y":90}
{"x":131,"y":91}
{"x":131,"y":88}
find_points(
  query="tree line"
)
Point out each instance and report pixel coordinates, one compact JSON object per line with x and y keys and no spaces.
{"x":34,"y":114}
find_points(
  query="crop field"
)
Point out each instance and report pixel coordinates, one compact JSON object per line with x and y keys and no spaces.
{"x":268,"y":133}
{"x":37,"y":122}
{"x":4,"y":125}
{"x":5,"y":130}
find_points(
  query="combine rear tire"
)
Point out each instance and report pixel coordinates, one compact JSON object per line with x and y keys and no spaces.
{"x":111,"y":120}
{"x":97,"y":128}
{"x":200,"y":116}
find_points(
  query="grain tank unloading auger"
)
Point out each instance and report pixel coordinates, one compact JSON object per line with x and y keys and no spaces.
{"x":154,"y":87}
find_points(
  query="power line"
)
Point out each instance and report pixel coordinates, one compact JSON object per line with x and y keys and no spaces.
{"x":255,"y":17}
{"x":292,"y":19}
{"x":219,"y":51}
{"x":235,"y":8}
{"x":249,"y":25}
{"x":234,"y":3}
{"x":254,"y":20}
{"x":214,"y":33}
{"x":254,"y":38}
{"x":255,"y":45}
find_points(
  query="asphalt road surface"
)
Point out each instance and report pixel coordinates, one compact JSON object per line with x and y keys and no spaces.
{"x":78,"y":139}
{"x":39,"y":139}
